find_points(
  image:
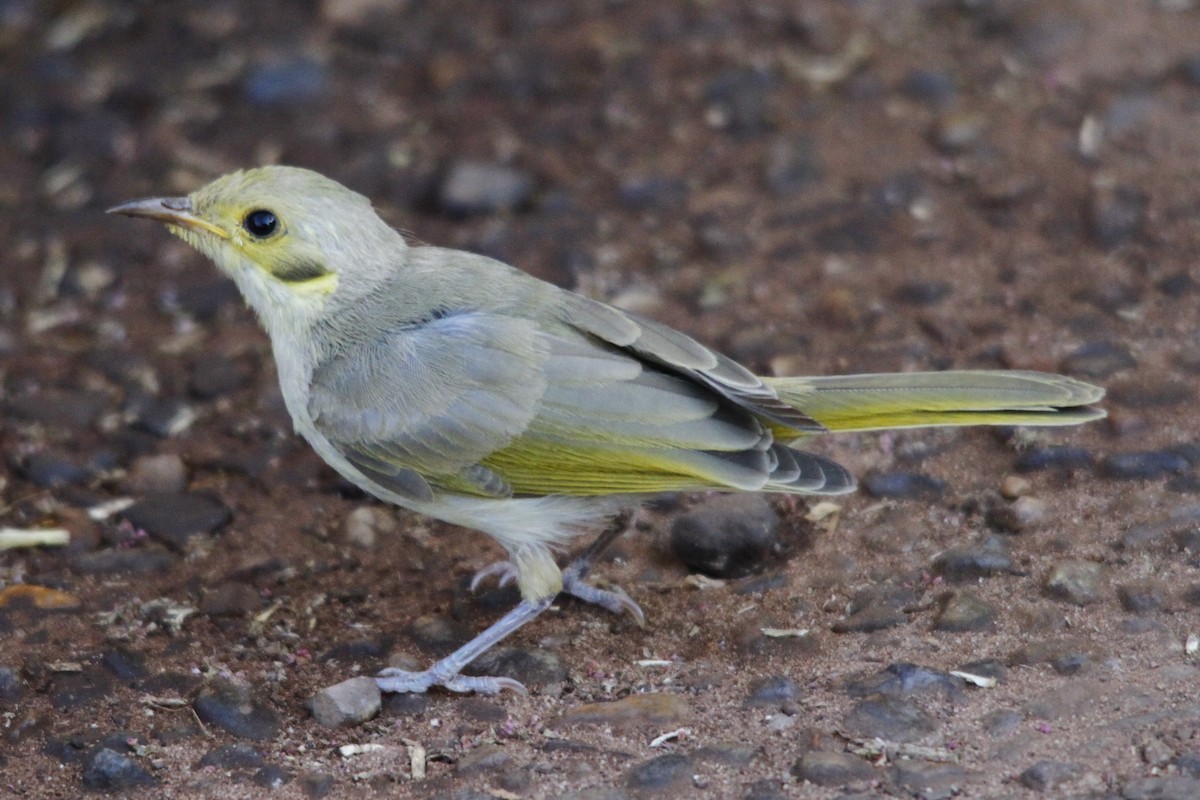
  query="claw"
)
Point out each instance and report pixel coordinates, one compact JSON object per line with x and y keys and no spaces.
{"x":485,"y":685}
{"x":504,"y":572}
{"x":614,"y":599}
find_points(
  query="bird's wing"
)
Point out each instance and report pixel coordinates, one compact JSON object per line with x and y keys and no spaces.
{"x":431,"y":399}
{"x":678,"y":353}
{"x":493,"y":405}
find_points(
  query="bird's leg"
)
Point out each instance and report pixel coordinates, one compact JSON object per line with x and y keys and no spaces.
{"x":614,"y":599}
{"x":446,"y":673}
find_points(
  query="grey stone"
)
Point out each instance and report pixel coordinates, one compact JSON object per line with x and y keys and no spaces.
{"x":233,"y":708}
{"x":672,"y":769}
{"x":347,"y":703}
{"x":890,"y":718}
{"x":774,"y":691}
{"x":832,"y":769}
{"x":728,"y":536}
{"x":176,"y":518}
{"x":108,"y":770}
{"x":1078,"y":582}
{"x":479,"y":187}
{"x":963,"y":611}
{"x":1046,"y":775}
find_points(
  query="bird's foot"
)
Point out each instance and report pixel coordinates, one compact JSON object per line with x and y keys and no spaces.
{"x":402,"y":680}
{"x":614,"y":599}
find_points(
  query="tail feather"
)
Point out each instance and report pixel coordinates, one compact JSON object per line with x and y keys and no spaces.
{"x":921,"y":399}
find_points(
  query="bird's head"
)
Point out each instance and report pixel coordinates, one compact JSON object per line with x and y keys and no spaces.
{"x":289,"y":237}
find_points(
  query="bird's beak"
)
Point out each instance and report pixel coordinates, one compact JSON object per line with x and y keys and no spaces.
{"x":175,"y":211}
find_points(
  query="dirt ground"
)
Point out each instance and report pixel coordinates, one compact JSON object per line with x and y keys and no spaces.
{"x":813,"y":187}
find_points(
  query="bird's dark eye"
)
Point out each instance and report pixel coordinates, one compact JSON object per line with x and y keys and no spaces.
{"x":260,"y":223}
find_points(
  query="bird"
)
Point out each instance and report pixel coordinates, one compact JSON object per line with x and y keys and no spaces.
{"x":464,"y":389}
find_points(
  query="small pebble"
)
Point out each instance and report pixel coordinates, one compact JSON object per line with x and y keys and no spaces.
{"x":347,"y":703}
{"x":666,"y":771}
{"x":1099,"y":360}
{"x":876,"y":618}
{"x":1145,"y":465}
{"x":161,"y":474}
{"x":1168,"y":787}
{"x":832,"y":769}
{"x":110,"y":771}
{"x":365,"y":524}
{"x":480,"y":187}
{"x":774,"y":692}
{"x":1143,"y":597}
{"x":135,"y":561}
{"x":290,"y":82}
{"x":1014,"y":486}
{"x":233,"y":708}
{"x":237,"y":755}
{"x":1078,"y":582}
{"x":1055,"y":457}
{"x":903,"y":486}
{"x":176,"y":518}
{"x":905,"y":680}
{"x":163,"y":417}
{"x":1071,"y":663}
{"x":973,"y":561}
{"x":891,"y":718}
{"x":959,"y":130}
{"x":962,"y":611}
{"x":1157,"y":753}
{"x":727,"y":536}
{"x":1021,"y":515}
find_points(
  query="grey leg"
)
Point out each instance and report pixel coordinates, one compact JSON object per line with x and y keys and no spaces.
{"x":614,"y":599}
{"x":446,"y":673}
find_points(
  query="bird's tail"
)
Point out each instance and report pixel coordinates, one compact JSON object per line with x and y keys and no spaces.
{"x":921,"y":399}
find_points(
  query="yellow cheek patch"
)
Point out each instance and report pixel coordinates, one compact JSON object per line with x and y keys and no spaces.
{"x":321,"y":286}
